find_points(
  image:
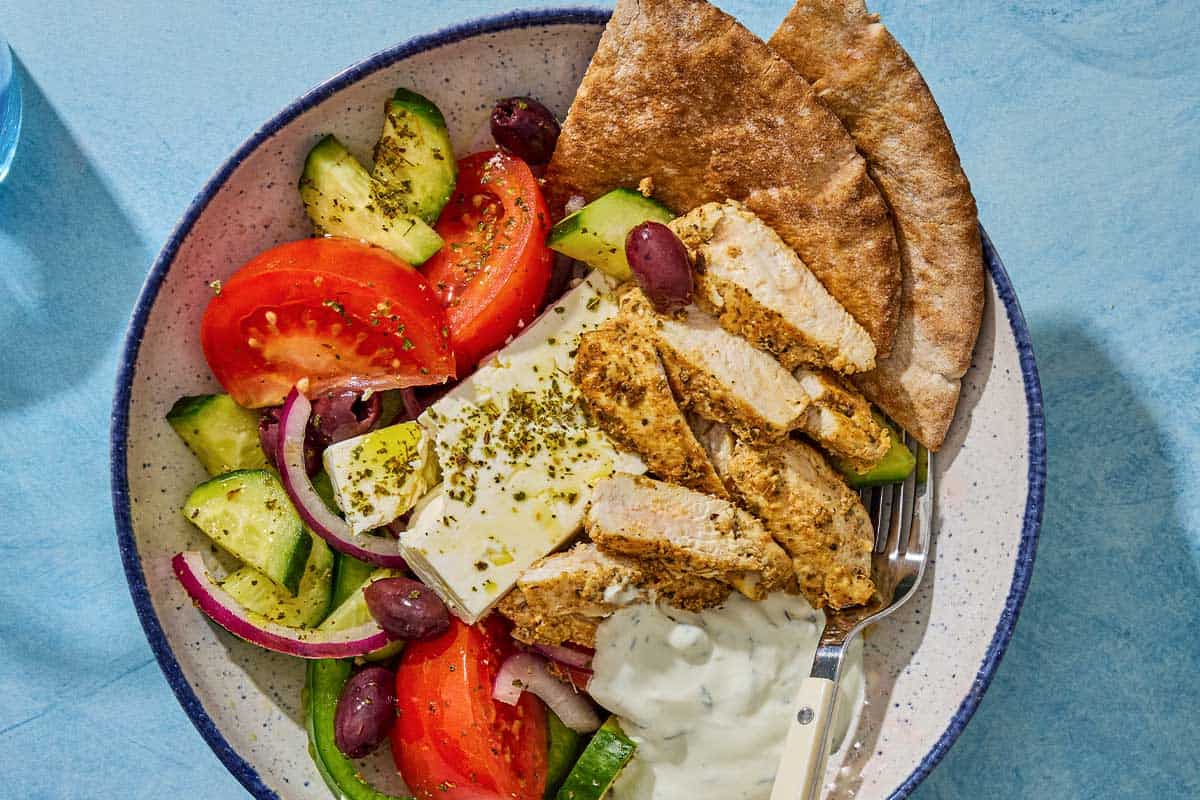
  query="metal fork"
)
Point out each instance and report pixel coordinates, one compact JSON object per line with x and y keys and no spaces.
{"x":903,"y":519}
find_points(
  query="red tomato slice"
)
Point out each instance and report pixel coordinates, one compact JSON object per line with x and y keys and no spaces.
{"x":335,"y":311}
{"x":451,"y":740}
{"x":493,"y":270}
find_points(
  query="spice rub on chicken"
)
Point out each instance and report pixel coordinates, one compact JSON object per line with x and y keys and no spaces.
{"x":625,"y":389}
{"x":807,"y":508}
{"x":564,"y":596}
{"x":758,"y":288}
{"x":840,"y":419}
{"x":716,"y":374}
{"x":674,"y":530}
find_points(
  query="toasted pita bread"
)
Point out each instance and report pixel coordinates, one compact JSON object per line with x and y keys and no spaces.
{"x":680,"y":93}
{"x":868,"y":80}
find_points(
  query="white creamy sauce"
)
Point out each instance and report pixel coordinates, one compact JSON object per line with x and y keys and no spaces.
{"x":708,"y":696}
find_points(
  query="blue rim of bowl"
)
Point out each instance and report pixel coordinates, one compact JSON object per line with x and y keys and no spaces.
{"x":233,"y":761}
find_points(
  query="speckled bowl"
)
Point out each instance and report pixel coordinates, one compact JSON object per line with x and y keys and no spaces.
{"x":926,"y":667}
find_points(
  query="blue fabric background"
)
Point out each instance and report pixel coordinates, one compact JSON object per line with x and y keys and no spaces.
{"x":1079,"y":124}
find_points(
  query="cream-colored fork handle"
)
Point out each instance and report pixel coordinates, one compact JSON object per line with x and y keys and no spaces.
{"x":802,"y":765}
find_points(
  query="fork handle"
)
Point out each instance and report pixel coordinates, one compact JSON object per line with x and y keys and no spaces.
{"x":802,"y":764}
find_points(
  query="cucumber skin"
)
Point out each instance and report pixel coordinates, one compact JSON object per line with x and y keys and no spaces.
{"x":289,"y":577}
{"x":405,"y":236}
{"x":895,"y":466}
{"x":196,"y":417}
{"x":323,"y":683}
{"x":561,"y":753}
{"x":312,"y":602}
{"x":420,"y":177}
{"x":599,"y":765}
{"x":584,"y":235}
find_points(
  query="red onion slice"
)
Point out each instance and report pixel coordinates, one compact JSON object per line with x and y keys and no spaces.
{"x":565,"y":655}
{"x":527,"y":671}
{"x":293,"y":422}
{"x":222,"y":609}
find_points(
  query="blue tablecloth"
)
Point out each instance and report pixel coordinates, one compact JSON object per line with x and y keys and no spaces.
{"x":1079,"y":125}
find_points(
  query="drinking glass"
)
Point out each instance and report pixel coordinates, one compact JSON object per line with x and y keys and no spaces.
{"x":10,"y":108}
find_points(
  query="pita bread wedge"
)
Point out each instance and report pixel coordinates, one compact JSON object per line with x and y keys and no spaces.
{"x":869,"y":81}
{"x":680,"y":93}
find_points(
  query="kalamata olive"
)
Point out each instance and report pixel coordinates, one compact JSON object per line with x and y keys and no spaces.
{"x":407,"y":609}
{"x":525,"y":128}
{"x":341,"y":414}
{"x":268,"y":436}
{"x":660,"y":263}
{"x":365,"y":712}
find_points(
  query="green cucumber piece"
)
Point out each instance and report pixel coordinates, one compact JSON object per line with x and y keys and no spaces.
{"x":248,"y":513}
{"x":595,"y":234}
{"x":602,"y":761}
{"x":351,"y":574}
{"x":415,"y":168}
{"x":895,"y":466}
{"x":307,"y":609}
{"x":323,"y":684}
{"x":324,"y":487}
{"x":353,"y":611}
{"x":562,"y":752}
{"x":222,"y":434}
{"x":339,"y":197}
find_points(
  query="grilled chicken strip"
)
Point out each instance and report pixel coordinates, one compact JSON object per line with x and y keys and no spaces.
{"x":718,"y":375}
{"x":680,"y":531}
{"x":758,"y":288}
{"x":807,"y":508}
{"x":625,"y":389}
{"x":564,"y":596}
{"x":840,"y":419}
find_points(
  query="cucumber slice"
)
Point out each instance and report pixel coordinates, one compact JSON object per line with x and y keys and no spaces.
{"x":415,"y":168}
{"x":323,"y":684}
{"x":562,"y":751}
{"x":595,"y":234}
{"x":602,"y":761}
{"x":895,"y":466}
{"x":351,"y":574}
{"x":248,"y":513}
{"x":222,"y":434}
{"x":353,"y":612}
{"x":339,"y":197}
{"x":307,"y":609}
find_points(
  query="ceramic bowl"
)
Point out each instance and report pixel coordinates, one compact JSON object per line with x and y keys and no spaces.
{"x":926,"y":667}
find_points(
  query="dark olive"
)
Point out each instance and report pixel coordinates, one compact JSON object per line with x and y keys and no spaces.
{"x":525,"y":128}
{"x":342,"y":414}
{"x":660,"y":263}
{"x":268,"y":436}
{"x":407,"y":609}
{"x":365,"y":712}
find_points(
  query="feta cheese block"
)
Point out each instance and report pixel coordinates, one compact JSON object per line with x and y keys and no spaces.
{"x":519,"y":459}
{"x":378,"y":476}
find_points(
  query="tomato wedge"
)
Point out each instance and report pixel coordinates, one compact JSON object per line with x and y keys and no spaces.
{"x":334,"y":311}
{"x":451,"y":740}
{"x":493,"y":270}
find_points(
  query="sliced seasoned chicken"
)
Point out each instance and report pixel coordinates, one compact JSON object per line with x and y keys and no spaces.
{"x":564,"y":596}
{"x":681,"y":532}
{"x":718,"y":375}
{"x":758,"y":288}
{"x":812,"y":513}
{"x":839,"y":418}
{"x":625,"y":388}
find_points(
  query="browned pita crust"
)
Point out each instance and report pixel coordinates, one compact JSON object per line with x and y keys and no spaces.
{"x":868,"y":80}
{"x":681,"y":93}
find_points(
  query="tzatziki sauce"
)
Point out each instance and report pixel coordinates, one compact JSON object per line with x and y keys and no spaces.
{"x":708,"y":696}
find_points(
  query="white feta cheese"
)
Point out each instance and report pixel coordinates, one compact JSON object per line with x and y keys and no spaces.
{"x":518,"y":459}
{"x":378,"y":476}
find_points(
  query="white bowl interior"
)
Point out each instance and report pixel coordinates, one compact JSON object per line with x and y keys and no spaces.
{"x":920,"y":665}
